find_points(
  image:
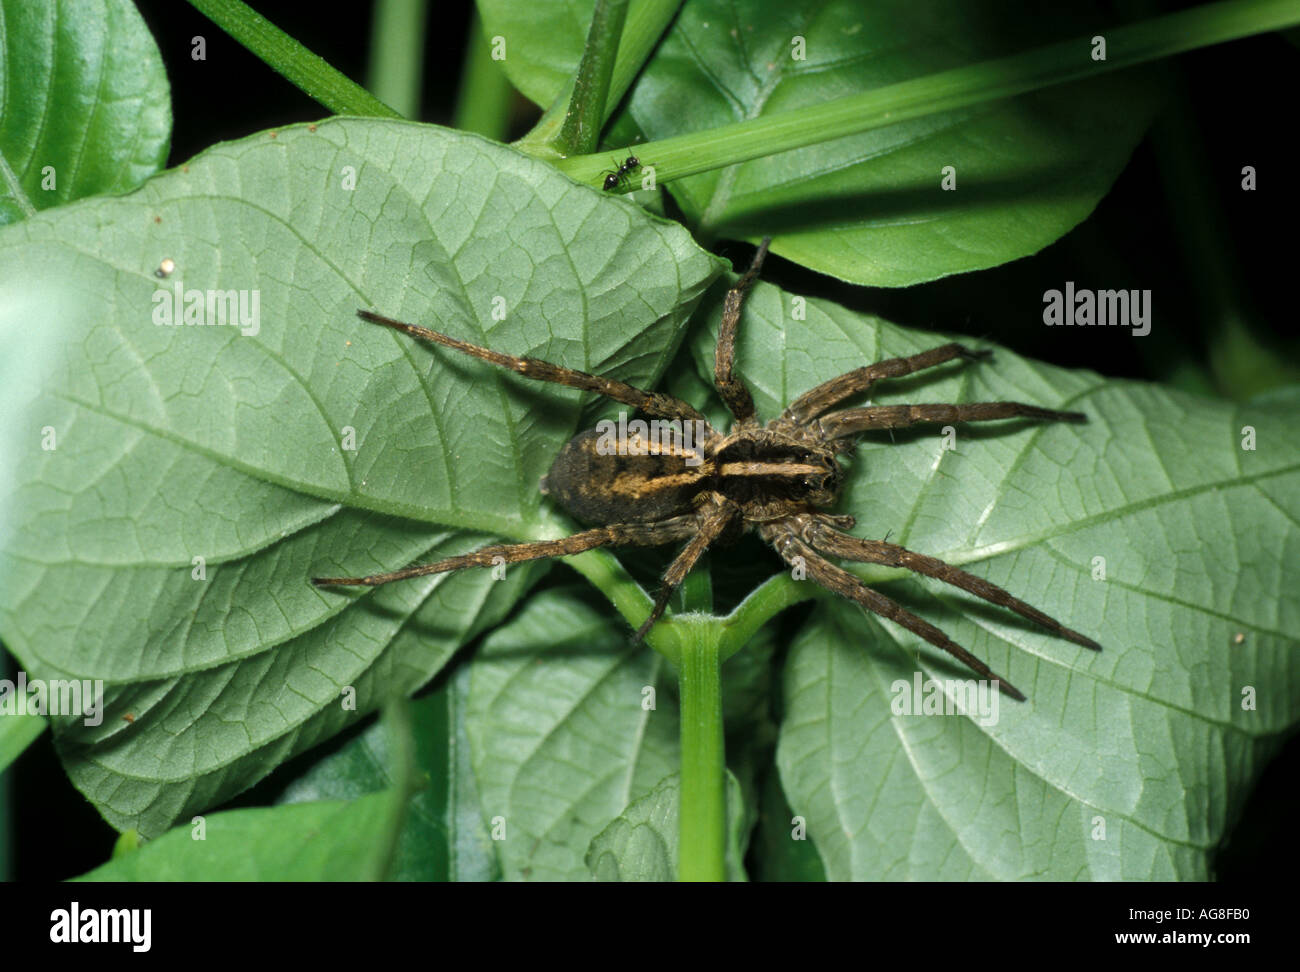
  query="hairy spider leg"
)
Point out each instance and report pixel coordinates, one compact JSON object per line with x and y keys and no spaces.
{"x":852,"y":421}
{"x":818,"y":400}
{"x":615,"y":535}
{"x":735,"y":394}
{"x":837,"y":580}
{"x":713,"y":520}
{"x":654,"y":404}
{"x":829,"y":540}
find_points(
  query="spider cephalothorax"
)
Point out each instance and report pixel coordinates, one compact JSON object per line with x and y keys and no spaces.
{"x":608,"y":476}
{"x":675,"y":478}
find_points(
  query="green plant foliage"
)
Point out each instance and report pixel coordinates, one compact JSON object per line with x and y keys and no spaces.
{"x":328,"y":841}
{"x":229,"y":676}
{"x":172,"y":480}
{"x":17,"y":732}
{"x":561,"y":741}
{"x":1159,"y":735}
{"x":870,"y":208}
{"x":641,"y":845}
{"x":231,"y":665}
{"x":84,"y":102}
{"x":444,"y":838}
{"x":783,"y":849}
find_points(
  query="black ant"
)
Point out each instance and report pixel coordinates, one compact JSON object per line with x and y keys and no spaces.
{"x":614,"y":179}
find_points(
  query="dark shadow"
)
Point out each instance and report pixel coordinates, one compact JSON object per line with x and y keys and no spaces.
{"x":918,"y":200}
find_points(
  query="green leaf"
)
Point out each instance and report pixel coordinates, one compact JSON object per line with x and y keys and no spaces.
{"x":85,"y":107}
{"x":17,"y":732}
{"x":641,"y":844}
{"x":543,"y":43}
{"x":870,"y":208}
{"x":561,"y":735}
{"x":1159,"y":737}
{"x":444,"y":838}
{"x":287,"y":57}
{"x":328,"y":841}
{"x":140,"y":447}
{"x":783,"y":850}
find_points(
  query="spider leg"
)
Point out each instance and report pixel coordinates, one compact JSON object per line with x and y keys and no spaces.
{"x":711,"y":522}
{"x":732,"y":389}
{"x":851,"y":421}
{"x":839,"y":581}
{"x":829,"y":540}
{"x":652,"y":403}
{"x":615,"y":535}
{"x":817,"y":400}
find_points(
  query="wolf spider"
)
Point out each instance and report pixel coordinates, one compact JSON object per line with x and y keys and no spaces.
{"x":775,"y":478}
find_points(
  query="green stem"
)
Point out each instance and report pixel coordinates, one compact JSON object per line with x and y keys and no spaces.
{"x":586,"y":114}
{"x":768,"y":599}
{"x":703,"y":813}
{"x":696,"y":592}
{"x":396,"y":68}
{"x":291,"y":60}
{"x":483,"y":101}
{"x":603,"y":571}
{"x":1127,"y":46}
{"x":693,"y":645}
{"x":646,"y":22}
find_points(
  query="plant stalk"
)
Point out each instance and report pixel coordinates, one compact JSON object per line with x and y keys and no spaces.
{"x":586,"y":113}
{"x":645,"y":24}
{"x":396,"y":65}
{"x":309,"y":72}
{"x":483,"y":99}
{"x":1042,"y":67}
{"x":703,"y":813}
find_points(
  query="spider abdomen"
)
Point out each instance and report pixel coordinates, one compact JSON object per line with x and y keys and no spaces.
{"x":602,"y":479}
